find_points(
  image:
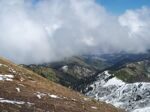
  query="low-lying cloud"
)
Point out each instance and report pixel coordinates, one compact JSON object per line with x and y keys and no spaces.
{"x":49,"y":30}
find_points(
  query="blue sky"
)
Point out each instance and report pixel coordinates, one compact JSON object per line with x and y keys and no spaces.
{"x":119,"y":6}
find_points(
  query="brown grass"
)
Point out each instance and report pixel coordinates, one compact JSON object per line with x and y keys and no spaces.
{"x":31,"y":83}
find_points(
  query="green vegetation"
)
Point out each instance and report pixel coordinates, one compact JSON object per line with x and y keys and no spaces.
{"x":45,"y":72}
{"x":124,"y":75}
{"x":134,"y":72}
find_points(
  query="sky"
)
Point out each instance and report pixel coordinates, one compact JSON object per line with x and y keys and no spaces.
{"x":34,"y":32}
{"x":120,"y":6}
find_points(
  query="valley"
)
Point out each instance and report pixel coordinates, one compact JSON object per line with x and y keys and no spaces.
{"x":121,"y":79}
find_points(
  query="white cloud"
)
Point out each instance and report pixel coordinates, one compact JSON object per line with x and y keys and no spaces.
{"x":137,"y":24}
{"x":53,"y":29}
{"x":135,"y":21}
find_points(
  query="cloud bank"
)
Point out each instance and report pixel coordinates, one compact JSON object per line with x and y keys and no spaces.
{"x":49,"y":30}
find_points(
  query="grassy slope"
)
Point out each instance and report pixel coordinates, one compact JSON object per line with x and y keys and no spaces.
{"x":134,"y":72}
{"x":31,"y":83}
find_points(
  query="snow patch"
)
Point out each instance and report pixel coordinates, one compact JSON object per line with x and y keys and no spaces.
{"x":53,"y":96}
{"x":12,"y":70}
{"x":6,"y":77}
{"x":129,"y":96}
{"x":114,"y":81}
{"x":18,"y":89}
{"x":65,"y":68}
{"x":73,"y":99}
{"x":2,"y":100}
{"x":107,"y":73}
{"x":86,"y":99}
{"x":22,"y":79}
{"x":94,"y":107}
{"x":3,"y":65}
{"x":146,"y":109}
{"x":40,"y":95}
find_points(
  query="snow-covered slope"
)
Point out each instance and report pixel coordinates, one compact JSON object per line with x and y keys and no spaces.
{"x":133,"y":97}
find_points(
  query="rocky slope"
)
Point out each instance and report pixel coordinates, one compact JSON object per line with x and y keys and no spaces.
{"x":133,"y":97}
{"x":24,"y":91}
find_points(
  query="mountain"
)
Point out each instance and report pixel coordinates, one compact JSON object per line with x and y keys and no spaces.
{"x":79,"y":71}
{"x":22,"y":90}
{"x":120,"y":79}
{"x":75,"y":72}
{"x":125,"y":84}
{"x":127,"y":88}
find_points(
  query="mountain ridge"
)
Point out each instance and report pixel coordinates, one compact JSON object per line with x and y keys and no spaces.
{"x":25,"y":91}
